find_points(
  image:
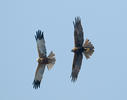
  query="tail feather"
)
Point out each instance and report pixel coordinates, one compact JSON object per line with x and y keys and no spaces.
{"x":52,"y":60}
{"x":89,"y":49}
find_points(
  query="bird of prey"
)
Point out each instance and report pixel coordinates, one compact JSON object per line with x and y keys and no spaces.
{"x":87,"y":48}
{"x":43,"y":59}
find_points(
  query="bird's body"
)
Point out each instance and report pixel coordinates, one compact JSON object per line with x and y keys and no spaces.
{"x":78,"y":49}
{"x":87,"y":48}
{"x":43,"y":60}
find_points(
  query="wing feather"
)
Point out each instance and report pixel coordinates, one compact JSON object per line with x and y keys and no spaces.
{"x":38,"y":75}
{"x":78,"y":32}
{"x":40,"y":43}
{"x":77,"y":62}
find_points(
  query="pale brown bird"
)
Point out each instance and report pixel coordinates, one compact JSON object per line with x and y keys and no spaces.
{"x":87,"y":48}
{"x":43,"y":59}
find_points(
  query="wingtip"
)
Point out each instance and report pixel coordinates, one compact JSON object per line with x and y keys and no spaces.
{"x":36,"y":84}
{"x":39,"y":35}
{"x":77,"y":21}
{"x":74,"y":73}
{"x":74,"y":77}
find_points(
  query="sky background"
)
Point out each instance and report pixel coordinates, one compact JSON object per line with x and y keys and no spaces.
{"x":103,"y":77}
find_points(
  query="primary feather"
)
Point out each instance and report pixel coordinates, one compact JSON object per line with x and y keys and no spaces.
{"x":38,"y":75}
{"x":78,"y":32}
{"x":77,"y":62}
{"x":40,"y":43}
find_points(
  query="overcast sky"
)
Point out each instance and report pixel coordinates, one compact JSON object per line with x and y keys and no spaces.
{"x":103,"y":77}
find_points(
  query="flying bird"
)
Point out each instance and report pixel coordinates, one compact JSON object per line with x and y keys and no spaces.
{"x":43,"y":59}
{"x":87,"y":48}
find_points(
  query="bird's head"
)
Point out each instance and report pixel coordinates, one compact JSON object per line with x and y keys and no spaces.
{"x":74,"y":49}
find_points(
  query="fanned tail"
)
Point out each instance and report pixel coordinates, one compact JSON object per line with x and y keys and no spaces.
{"x":51,"y":59}
{"x":89,"y":49}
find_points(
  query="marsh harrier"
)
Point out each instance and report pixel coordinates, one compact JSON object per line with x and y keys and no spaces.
{"x":43,"y":59}
{"x":87,"y":48}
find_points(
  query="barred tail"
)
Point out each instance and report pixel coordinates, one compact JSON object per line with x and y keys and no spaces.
{"x":88,"y":49}
{"x":51,"y":60}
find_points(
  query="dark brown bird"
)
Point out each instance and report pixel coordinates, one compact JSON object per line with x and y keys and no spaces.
{"x":87,"y":48}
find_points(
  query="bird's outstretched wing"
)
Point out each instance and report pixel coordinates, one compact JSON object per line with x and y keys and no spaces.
{"x":42,"y":53}
{"x":40,"y":43}
{"x":78,"y":32}
{"x":77,"y":62}
{"x":38,"y":75}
